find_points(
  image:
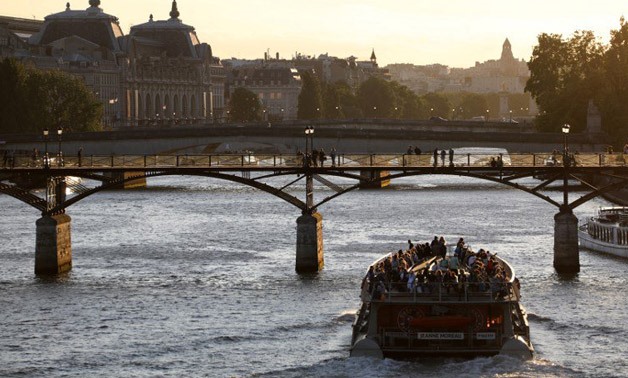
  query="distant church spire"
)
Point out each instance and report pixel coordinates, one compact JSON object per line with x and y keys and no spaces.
{"x":174,"y":13}
{"x":373,"y":57}
{"x":507,"y":51}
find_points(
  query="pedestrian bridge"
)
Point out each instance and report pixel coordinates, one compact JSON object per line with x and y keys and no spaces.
{"x":69,"y":180}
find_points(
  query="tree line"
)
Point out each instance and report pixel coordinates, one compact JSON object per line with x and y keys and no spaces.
{"x":32,"y":100}
{"x":377,"y":98}
{"x":569,"y":73}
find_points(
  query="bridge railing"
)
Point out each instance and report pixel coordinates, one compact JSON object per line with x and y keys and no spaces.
{"x":344,"y":160}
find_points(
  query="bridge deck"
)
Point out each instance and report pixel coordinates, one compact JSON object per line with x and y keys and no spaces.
{"x":258,"y":162}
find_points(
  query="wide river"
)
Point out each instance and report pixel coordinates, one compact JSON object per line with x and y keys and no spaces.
{"x":195,"y":277}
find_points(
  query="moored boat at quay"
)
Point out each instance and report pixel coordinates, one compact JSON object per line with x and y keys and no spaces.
{"x":419,"y":303}
{"x":607,"y":232}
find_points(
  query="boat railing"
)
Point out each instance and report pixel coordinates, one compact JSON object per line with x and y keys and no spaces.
{"x":607,"y":232}
{"x":444,"y":292}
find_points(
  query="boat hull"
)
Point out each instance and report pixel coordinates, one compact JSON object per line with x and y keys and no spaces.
{"x":588,"y":242}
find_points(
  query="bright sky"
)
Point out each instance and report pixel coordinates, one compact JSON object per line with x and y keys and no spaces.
{"x":456,"y":33}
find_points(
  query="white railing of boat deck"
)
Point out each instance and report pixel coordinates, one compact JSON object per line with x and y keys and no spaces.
{"x":443,"y":292}
{"x":608,"y":233}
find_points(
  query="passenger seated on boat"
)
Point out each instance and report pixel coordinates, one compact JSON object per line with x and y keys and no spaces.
{"x":471,"y":259}
{"x":410,"y":282}
{"x":394,"y":262}
{"x":450,"y":281}
{"x":499,"y":285}
{"x":462,"y":281}
{"x":379,"y":293}
{"x":454,"y":264}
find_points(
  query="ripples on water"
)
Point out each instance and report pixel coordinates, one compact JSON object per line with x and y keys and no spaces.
{"x":195,"y":277}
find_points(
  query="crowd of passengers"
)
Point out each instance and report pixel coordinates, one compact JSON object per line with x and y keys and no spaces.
{"x":480,"y":271}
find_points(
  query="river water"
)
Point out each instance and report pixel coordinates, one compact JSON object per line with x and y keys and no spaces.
{"x":195,"y":277}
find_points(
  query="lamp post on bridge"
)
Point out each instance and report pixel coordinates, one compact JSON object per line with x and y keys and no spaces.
{"x":46,"y":163}
{"x":566,"y":163}
{"x":60,"y":154}
{"x":309,"y":182}
{"x":566,"y":252}
{"x":309,"y":133}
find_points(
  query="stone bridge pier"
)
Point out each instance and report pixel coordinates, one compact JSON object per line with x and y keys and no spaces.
{"x":566,"y":252}
{"x":310,"y":243}
{"x":53,"y":250}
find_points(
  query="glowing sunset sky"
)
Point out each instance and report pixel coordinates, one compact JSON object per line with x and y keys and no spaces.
{"x":456,"y":33}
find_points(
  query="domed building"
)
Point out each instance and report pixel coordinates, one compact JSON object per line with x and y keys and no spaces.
{"x":159,"y":74}
{"x":170,"y":72}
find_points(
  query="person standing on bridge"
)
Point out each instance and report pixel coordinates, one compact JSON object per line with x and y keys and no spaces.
{"x":451,"y":157}
{"x":435,"y":157}
{"x":80,"y":156}
{"x":314,"y":157}
{"x":442,"y":156}
{"x":321,"y":156}
{"x":332,"y":153}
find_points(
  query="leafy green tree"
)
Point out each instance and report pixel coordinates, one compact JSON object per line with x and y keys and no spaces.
{"x":473,"y":105}
{"x":407,"y":104}
{"x":376,"y":98}
{"x":13,"y":78}
{"x":436,"y":104}
{"x":244,"y":106}
{"x":331,"y":100}
{"x":348,"y":101}
{"x":564,"y":76}
{"x":310,"y":99}
{"x":32,"y":100}
{"x":614,"y":96}
{"x":519,"y":104}
{"x":62,"y":100}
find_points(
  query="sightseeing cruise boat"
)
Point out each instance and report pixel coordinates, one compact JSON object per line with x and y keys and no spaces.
{"x":419,"y":303}
{"x":607,"y":232}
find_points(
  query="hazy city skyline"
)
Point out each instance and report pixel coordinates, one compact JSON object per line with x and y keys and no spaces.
{"x":456,"y":34}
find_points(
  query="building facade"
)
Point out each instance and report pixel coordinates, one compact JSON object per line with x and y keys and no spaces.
{"x":277,"y":82}
{"x":158,"y":74}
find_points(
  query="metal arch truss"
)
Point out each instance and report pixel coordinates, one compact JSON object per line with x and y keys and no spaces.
{"x":616,"y":178}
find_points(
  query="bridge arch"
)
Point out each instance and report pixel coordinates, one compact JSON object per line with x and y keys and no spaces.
{"x":116,"y":183}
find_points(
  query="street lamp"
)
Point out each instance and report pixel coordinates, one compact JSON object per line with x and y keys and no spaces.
{"x":487,"y":115}
{"x":309,"y":132}
{"x":566,"y":128}
{"x":46,"y":163}
{"x":60,"y":157}
{"x":510,"y":112}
